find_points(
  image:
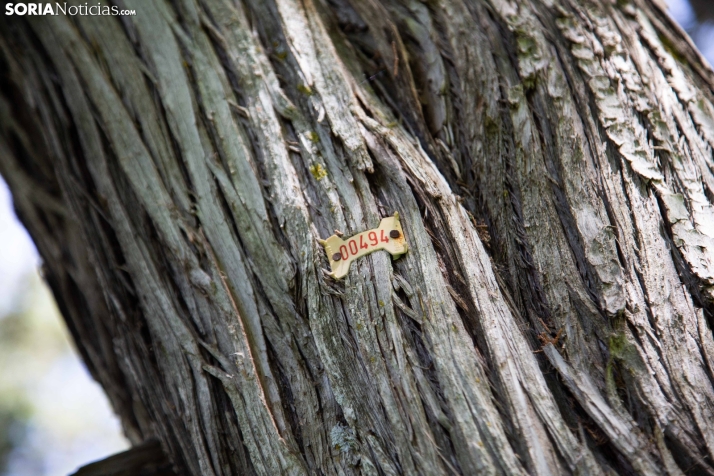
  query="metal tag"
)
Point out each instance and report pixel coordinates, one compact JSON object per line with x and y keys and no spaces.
{"x":387,"y":236}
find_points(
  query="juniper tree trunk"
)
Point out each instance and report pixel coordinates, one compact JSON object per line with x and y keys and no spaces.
{"x":551,"y":162}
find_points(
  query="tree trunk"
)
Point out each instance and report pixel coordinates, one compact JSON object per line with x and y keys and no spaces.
{"x":550,"y":160}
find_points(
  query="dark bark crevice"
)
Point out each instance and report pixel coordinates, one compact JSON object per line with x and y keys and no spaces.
{"x":200,"y":299}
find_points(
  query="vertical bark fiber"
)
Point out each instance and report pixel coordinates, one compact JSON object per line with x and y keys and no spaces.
{"x":551,"y":161}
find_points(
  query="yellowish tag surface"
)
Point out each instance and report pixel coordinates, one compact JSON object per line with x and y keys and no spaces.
{"x":387,"y":236}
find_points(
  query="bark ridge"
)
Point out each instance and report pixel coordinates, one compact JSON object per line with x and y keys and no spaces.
{"x":551,"y":164}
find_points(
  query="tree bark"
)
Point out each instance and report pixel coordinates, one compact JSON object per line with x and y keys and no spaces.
{"x":551,"y":162}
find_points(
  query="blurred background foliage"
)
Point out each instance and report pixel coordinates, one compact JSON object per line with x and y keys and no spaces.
{"x":53,"y":416}
{"x":697,"y":19}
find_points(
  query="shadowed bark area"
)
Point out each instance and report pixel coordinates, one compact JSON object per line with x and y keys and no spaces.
{"x":551,"y":162}
{"x":147,"y":459}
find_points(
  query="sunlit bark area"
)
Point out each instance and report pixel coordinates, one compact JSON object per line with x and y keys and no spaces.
{"x":551,"y":163}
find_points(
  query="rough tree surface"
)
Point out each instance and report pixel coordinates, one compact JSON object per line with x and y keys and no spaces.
{"x":551,"y":162}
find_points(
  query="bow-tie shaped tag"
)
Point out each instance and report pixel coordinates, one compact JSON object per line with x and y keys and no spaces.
{"x":387,"y":236}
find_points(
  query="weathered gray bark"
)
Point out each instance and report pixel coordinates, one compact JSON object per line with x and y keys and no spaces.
{"x":551,"y":161}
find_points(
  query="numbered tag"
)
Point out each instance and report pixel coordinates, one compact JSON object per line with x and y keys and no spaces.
{"x":388,"y":236}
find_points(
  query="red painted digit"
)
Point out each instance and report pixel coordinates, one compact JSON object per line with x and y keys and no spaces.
{"x":353,"y":247}
{"x":383,"y":237}
{"x":362,"y":244}
{"x":343,"y":252}
{"x":373,"y":238}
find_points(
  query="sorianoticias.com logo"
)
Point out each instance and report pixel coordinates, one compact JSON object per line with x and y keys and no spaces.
{"x":85,"y":9}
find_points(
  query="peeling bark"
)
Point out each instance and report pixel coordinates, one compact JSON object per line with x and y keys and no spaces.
{"x":551,"y":163}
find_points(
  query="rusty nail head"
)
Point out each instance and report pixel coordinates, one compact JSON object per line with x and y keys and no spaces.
{"x":336,"y":257}
{"x":394,"y":234}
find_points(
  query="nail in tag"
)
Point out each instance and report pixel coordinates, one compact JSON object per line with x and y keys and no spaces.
{"x":387,"y":236}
